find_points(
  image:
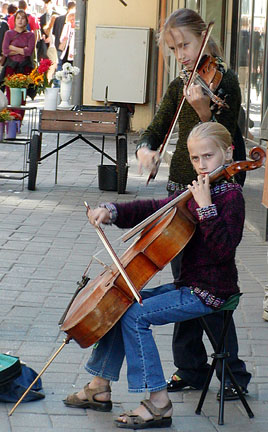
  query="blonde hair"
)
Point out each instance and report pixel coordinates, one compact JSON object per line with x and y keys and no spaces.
{"x":216,"y":132}
{"x":192,"y":20}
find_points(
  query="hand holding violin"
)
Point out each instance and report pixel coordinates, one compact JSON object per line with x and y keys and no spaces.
{"x":199,"y":101}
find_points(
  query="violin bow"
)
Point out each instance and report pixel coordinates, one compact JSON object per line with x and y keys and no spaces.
{"x":165,"y":143}
{"x":116,"y":260}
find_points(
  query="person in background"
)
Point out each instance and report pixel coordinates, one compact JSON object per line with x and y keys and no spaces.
{"x":18,"y":46}
{"x":67,"y":39}
{"x":32,"y":24}
{"x":3,"y":29}
{"x":57,"y":31}
{"x":11,"y":10}
{"x":4,"y":11}
{"x":46,"y":25}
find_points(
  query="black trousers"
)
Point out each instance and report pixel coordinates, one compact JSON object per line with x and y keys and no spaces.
{"x":189,"y":353}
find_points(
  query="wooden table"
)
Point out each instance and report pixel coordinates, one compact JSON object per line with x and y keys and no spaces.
{"x":84,"y":123}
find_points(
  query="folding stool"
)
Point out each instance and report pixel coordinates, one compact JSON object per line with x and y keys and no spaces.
{"x":220,"y":354}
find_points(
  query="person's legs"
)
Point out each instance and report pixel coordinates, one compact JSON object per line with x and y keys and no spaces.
{"x":144,"y":366}
{"x":190,"y":355}
{"x":166,"y":304}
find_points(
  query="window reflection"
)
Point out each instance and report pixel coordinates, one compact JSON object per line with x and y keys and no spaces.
{"x":256,"y":85}
{"x":243,"y":57}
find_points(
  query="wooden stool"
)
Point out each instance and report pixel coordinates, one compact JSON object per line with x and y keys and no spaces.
{"x":220,"y":354}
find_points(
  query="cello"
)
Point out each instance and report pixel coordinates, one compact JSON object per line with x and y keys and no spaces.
{"x":103,"y":301}
{"x":100,"y":303}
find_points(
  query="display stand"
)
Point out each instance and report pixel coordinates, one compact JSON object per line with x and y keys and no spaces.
{"x":83,"y":123}
{"x":23,"y":140}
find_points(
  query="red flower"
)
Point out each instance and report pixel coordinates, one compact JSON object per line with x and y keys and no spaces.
{"x":44,"y":65}
{"x":16,"y":116}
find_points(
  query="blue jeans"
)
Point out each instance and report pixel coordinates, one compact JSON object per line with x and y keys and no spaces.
{"x":132,"y":336}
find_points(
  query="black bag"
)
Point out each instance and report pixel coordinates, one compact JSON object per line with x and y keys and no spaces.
{"x":10,"y":368}
{"x":41,"y":48}
{"x":13,"y":391}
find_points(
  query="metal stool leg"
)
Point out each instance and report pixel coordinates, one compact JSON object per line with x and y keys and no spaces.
{"x":220,"y":354}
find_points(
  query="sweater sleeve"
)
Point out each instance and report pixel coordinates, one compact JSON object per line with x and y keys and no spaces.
{"x":156,"y":131}
{"x":6,"y":43}
{"x":131,"y":213}
{"x":28,"y":49}
{"x":223,"y":232}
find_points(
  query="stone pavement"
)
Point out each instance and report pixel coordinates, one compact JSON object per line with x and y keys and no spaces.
{"x":46,"y":244}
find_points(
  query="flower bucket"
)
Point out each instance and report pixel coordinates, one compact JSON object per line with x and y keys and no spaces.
{"x":11,"y":129}
{"x":17,"y":95}
{"x":51,"y":98}
{"x":2,"y":130}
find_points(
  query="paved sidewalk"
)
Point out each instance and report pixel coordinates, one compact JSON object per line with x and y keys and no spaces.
{"x":46,"y":243}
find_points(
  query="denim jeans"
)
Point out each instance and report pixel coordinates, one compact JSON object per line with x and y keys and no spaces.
{"x":132,"y":336}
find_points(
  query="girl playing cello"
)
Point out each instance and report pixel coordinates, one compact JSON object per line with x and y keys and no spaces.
{"x":219,"y":212}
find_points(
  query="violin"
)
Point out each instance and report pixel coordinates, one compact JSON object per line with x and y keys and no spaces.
{"x":207,"y":74}
{"x":102,"y":302}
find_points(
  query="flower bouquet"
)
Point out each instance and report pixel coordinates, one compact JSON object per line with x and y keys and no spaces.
{"x":66,"y":77}
{"x":39,"y":76}
{"x":5,"y":115}
{"x":17,"y":81}
{"x":67,"y":73}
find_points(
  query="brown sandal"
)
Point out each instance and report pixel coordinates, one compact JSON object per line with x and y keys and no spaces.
{"x":73,"y":401}
{"x":135,"y":421}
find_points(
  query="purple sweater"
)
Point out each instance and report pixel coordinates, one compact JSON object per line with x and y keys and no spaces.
{"x":208,"y":264}
{"x":24,"y":40}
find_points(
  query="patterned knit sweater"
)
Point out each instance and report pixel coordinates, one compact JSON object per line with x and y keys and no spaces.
{"x":181,"y":170}
{"x":208,"y":265}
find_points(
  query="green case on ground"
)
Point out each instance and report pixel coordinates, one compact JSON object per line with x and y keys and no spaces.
{"x":10,"y":368}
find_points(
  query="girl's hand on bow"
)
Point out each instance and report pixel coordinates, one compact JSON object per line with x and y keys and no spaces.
{"x":200,"y":190}
{"x":148,"y":159}
{"x":98,"y":215}
{"x":199,"y":101}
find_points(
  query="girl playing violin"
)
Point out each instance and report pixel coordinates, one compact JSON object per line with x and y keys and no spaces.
{"x":201,"y":290}
{"x":182,"y":34}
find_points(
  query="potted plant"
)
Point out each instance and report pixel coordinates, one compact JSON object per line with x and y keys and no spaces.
{"x":18,"y":84}
{"x":42,"y":85}
{"x":65,"y":76}
{"x":4,"y":117}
